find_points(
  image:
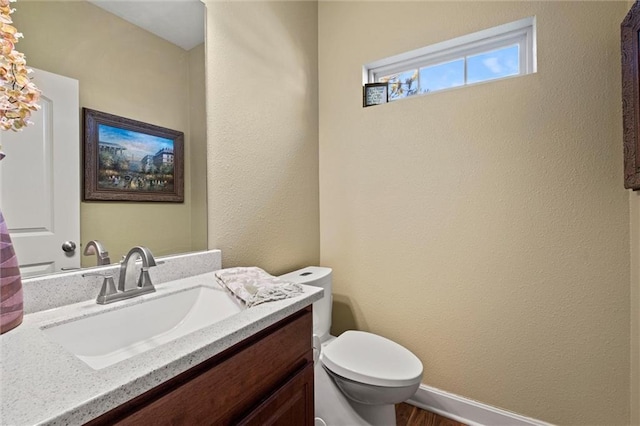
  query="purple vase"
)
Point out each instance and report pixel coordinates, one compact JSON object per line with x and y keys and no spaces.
{"x":11,"y":311}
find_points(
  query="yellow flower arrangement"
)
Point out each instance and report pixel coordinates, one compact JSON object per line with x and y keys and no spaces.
{"x":18,"y":95}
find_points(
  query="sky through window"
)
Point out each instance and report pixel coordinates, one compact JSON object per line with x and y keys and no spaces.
{"x":485,"y":66}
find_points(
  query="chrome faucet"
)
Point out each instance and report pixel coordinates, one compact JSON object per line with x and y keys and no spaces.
{"x":144,"y":282}
{"x":109,"y":293}
{"x":96,"y":247}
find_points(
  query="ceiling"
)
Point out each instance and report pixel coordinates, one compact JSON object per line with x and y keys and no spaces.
{"x":179,"y":21}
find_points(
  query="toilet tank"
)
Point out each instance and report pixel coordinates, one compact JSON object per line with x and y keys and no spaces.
{"x":316,"y":276}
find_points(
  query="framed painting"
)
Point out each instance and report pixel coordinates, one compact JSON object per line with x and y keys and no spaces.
{"x":630,"y":49}
{"x":128,"y":160}
{"x":375,"y":94}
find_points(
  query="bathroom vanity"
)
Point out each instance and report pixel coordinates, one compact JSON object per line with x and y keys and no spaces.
{"x":252,"y":366}
{"x":265,"y":379}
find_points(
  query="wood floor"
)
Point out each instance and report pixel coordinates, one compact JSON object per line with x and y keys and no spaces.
{"x":408,"y":415}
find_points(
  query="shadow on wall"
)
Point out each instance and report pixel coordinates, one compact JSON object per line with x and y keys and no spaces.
{"x":342,"y":317}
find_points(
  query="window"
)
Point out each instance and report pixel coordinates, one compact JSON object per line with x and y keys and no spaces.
{"x":499,"y":52}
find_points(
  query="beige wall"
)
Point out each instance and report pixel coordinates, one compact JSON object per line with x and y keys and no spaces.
{"x":262,"y":123}
{"x":198,"y":141}
{"x":634,"y":203}
{"x":126,"y":71}
{"x":634,"y":213}
{"x":485,"y":228}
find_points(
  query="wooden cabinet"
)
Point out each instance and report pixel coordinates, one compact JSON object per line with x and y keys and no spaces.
{"x":265,"y":379}
{"x":292,"y":404}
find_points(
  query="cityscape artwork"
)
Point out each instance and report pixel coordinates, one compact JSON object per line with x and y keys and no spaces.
{"x":133,"y":161}
{"x":128,"y":160}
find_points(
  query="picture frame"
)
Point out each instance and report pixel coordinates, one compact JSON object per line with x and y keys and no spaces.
{"x":630,"y":50}
{"x":129,"y":160}
{"x":375,"y":94}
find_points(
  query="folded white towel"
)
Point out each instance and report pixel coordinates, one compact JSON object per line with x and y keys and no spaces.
{"x":254,"y":286}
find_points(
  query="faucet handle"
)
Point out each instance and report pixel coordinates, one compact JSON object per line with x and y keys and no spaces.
{"x":108,"y":286}
{"x":145,"y":279}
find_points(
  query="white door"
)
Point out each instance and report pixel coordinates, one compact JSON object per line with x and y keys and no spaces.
{"x":40,"y":180}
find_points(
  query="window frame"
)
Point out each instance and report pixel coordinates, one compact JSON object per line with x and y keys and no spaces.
{"x":521,"y":32}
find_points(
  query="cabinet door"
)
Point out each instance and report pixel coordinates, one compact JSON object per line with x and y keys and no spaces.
{"x":291,"y":404}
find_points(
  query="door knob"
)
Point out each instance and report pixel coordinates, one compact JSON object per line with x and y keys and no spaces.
{"x":68,"y":247}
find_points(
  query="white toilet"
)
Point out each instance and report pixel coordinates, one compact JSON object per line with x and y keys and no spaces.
{"x":360,"y":376}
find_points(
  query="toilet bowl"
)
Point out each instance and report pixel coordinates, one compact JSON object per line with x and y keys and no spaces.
{"x":359,"y":376}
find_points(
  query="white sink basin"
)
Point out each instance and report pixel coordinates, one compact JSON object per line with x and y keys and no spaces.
{"x":109,"y":337}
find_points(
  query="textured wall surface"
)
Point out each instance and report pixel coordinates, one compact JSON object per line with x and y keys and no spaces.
{"x":198,"y":147}
{"x":485,"y":228}
{"x":126,"y":71}
{"x":262,"y":123}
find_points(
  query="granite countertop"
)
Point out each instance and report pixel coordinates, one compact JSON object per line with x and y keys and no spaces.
{"x":43,"y":383}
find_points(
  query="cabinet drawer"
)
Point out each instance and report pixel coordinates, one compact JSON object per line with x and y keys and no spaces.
{"x":225,"y":388}
{"x":291,"y":404}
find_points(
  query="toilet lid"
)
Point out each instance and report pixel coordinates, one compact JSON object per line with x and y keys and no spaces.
{"x":371,"y":359}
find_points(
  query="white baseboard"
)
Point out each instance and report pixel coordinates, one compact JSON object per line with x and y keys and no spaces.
{"x":467,"y":411}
